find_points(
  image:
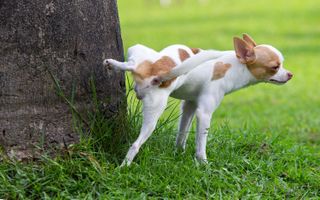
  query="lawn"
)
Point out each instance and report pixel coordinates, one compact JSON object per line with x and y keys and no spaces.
{"x":264,"y":142}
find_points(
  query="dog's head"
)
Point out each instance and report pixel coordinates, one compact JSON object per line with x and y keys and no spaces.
{"x":143,"y":86}
{"x":263,"y":61}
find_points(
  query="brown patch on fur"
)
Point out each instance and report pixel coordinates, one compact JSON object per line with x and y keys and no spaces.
{"x":183,"y":54}
{"x":147,"y":69}
{"x":220,"y":70}
{"x":195,"y":50}
{"x":261,"y":68}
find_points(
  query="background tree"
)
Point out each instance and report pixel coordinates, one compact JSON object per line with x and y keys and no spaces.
{"x":69,"y":39}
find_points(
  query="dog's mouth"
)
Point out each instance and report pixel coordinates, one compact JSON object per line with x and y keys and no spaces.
{"x":277,"y":82}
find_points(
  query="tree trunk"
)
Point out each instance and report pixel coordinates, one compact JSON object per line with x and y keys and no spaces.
{"x":70,"y":39}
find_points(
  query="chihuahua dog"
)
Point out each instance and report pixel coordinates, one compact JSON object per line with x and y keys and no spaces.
{"x":201,"y":78}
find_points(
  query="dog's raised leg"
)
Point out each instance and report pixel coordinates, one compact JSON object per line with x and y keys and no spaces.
{"x":126,"y":66}
{"x":188,"y":109}
{"x":153,"y":107}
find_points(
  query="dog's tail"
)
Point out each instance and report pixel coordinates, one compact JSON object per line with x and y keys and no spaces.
{"x":191,"y":63}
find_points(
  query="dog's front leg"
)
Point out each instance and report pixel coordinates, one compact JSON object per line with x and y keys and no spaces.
{"x":153,"y":107}
{"x":188,"y":109}
{"x":204,"y":112}
{"x":203,"y":125}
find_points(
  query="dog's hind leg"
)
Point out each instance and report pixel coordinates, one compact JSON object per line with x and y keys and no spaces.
{"x":153,"y":107}
{"x":114,"y":64}
{"x":188,"y":109}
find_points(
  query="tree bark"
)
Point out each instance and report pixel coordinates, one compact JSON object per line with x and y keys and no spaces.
{"x":70,"y":39}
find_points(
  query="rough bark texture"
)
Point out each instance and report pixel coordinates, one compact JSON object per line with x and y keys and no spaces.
{"x":68,"y":38}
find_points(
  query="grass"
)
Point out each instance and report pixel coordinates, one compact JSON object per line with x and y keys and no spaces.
{"x":264,"y":141}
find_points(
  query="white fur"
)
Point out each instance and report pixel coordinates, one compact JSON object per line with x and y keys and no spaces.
{"x":201,"y":96}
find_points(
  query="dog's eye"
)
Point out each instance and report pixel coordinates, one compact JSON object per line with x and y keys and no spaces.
{"x":275,"y":67}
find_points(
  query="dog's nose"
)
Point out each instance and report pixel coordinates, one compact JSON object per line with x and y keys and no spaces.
{"x":290,"y":75}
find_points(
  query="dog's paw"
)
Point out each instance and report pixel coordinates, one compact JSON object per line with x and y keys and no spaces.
{"x":180,"y":149}
{"x":107,"y":64}
{"x":125,"y":163}
{"x":201,"y":161}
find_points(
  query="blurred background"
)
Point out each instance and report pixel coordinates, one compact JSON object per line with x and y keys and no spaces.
{"x":292,"y":26}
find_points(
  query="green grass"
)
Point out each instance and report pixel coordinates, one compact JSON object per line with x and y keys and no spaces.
{"x":264,"y":142}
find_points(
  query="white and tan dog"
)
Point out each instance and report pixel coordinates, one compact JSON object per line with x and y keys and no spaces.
{"x":201,"y":81}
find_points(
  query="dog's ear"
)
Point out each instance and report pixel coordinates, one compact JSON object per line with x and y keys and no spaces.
{"x":249,"y":40}
{"x":244,"y":51}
